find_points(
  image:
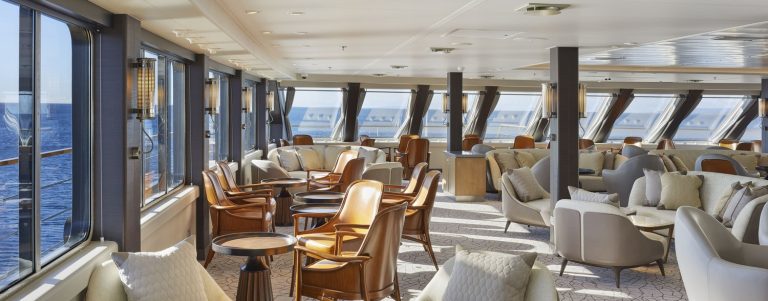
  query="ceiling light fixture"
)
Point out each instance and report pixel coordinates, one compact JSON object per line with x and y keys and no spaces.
{"x":398,"y":67}
{"x":542,"y":9}
{"x":378,"y":74}
{"x":295,"y":13}
{"x":266,"y":32}
{"x":252,"y":12}
{"x":441,"y":50}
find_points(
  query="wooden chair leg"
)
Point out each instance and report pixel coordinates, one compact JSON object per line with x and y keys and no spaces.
{"x":208,"y":258}
{"x":562,"y":266}
{"x":430,"y":251}
{"x":363,"y":290}
{"x":617,"y":272}
{"x":397,"y":288}
{"x":660,"y":262}
{"x":293,"y":273}
{"x":507,"y":226}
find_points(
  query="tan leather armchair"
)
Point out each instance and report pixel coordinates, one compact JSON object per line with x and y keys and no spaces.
{"x":260,"y":192}
{"x":666,"y":144}
{"x":469,"y":141}
{"x":601,"y":235}
{"x":416,"y":152}
{"x":369,"y":273}
{"x":353,"y":171}
{"x":714,"y":264}
{"x":303,"y":140}
{"x":419,"y":213}
{"x":524,"y":141}
{"x":338,"y":168}
{"x":403,"y":145}
{"x":233,"y":214}
{"x":409,"y":191}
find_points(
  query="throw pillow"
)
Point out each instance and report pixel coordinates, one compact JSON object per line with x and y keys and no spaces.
{"x":368,"y":155}
{"x":288,"y":159}
{"x":489,"y":276}
{"x":719,"y":209}
{"x":652,"y":187}
{"x":620,"y":159}
{"x":740,"y":199}
{"x":593,"y":161}
{"x":579,"y":194}
{"x":171,"y":274}
{"x":680,"y":190}
{"x":506,"y":161}
{"x":525,"y":159}
{"x":668,"y":164}
{"x":309,"y":158}
{"x":679,"y":164}
{"x":609,"y":161}
{"x":332,"y":153}
{"x":525,"y":185}
{"x":748,"y":161}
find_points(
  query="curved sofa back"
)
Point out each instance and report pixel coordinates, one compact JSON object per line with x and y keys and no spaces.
{"x":320,"y":148}
{"x":688,"y":156}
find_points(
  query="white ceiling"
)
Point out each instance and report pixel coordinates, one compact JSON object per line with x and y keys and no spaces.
{"x":639,"y":41}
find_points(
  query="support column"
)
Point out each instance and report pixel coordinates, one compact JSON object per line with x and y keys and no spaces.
{"x":692,"y":99}
{"x":236,"y":84}
{"x":197,"y":160}
{"x":350,"y":114}
{"x":419,"y":109}
{"x":564,"y":128}
{"x":455,"y":122}
{"x":262,"y":140}
{"x":119,"y":134}
{"x":764,"y":121}
{"x":276,"y":129}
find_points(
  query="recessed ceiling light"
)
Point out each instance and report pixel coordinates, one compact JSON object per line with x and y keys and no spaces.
{"x":461,"y":44}
{"x":398,"y":66}
{"x":302,"y":33}
{"x":252,"y":12}
{"x":487,"y":76}
{"x":266,"y":32}
{"x":542,"y":9}
{"x":378,"y":74}
{"x":630,"y":44}
{"x":443,"y":50}
{"x":295,"y":13}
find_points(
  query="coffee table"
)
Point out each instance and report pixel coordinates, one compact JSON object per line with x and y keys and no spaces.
{"x":255,"y":282}
{"x":320,"y":213}
{"x":318,"y":197}
{"x":284,"y":199}
{"x":651,"y":224}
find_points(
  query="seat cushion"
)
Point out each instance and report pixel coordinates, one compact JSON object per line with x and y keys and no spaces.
{"x":680,"y":190}
{"x":326,"y":242}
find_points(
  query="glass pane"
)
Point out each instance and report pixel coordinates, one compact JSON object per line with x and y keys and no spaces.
{"x":383,"y":112}
{"x":11,"y":266}
{"x":249,"y":119}
{"x":218,"y":148}
{"x":154,"y":138}
{"x":708,"y":115}
{"x":595,"y":101}
{"x":753,"y":130}
{"x":640,"y":116}
{"x":315,"y":112}
{"x":434,"y":123}
{"x":511,"y":116}
{"x":176,"y":132}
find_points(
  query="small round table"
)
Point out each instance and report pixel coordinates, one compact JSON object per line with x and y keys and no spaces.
{"x":324,"y":211}
{"x":284,"y":199}
{"x":255,"y":282}
{"x":650,"y":224}
{"x":319,"y":197}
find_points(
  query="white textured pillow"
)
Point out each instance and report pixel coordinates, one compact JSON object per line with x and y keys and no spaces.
{"x":288,"y":159}
{"x":332,"y":153}
{"x":593,"y":161}
{"x":489,"y":276}
{"x":525,"y":185}
{"x":525,"y":159}
{"x":309,"y":158}
{"x":369,"y":156}
{"x":579,"y":194}
{"x":170,"y":274}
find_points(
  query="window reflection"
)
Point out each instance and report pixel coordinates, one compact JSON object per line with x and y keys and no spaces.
{"x":315,"y":111}
{"x":710,"y":114}
{"x":640,"y":116}
{"x":435,"y":120}
{"x":217,"y":124}
{"x":512,"y":115}
{"x":383,"y":112}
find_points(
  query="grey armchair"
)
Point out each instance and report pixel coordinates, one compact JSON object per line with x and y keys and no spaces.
{"x":762,"y":234}
{"x":720,"y":163}
{"x":601,"y":235}
{"x":541,"y":172}
{"x":481,"y":148}
{"x":620,"y":180}
{"x":715,"y":265}
{"x":532,"y":213}
{"x":630,"y":151}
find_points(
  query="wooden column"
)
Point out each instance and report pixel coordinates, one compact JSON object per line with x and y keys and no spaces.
{"x":564,"y":128}
{"x":419,"y":109}
{"x":197,"y":159}
{"x":276,"y":130}
{"x":692,"y":99}
{"x":764,"y":121}
{"x":236,"y":85}
{"x":119,"y":134}
{"x":455,"y":122}
{"x":262,"y":139}
{"x":350,"y":114}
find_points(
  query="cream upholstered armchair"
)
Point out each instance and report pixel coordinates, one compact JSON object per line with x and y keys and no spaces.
{"x":715,"y":265}
{"x":532,"y":213}
{"x":763,"y":228}
{"x":601,"y":235}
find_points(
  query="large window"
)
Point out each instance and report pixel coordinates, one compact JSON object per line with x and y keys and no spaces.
{"x":710,"y":114}
{"x":217,"y":122}
{"x":753,"y":131}
{"x":512,"y":115}
{"x":45,"y":166}
{"x":640,"y":116}
{"x":435,"y":120}
{"x":383,"y":112}
{"x":315,"y":112}
{"x":164,"y":147}
{"x":595,"y":103}
{"x":249,"y":119}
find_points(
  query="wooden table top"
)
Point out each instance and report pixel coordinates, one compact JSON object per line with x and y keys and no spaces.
{"x":329,"y":209}
{"x":286,"y":182}
{"x":319,"y":197}
{"x":253,"y":244}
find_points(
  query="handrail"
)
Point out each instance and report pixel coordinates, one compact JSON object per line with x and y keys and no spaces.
{"x":12,"y":161}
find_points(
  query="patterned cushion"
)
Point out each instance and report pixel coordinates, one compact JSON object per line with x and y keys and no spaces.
{"x":525,"y":159}
{"x":309,"y":158}
{"x":506,"y":161}
{"x":525,"y":185}
{"x":579,"y":194}
{"x":668,"y":164}
{"x":288,"y":159}
{"x":719,"y":208}
{"x":593,"y":161}
{"x":740,"y":199}
{"x":489,"y":276}
{"x":679,"y":165}
{"x":170,"y":274}
{"x":680,"y":190}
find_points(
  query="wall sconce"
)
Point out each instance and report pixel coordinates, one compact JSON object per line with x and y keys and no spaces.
{"x":582,"y":101}
{"x":762,"y":107}
{"x":213,"y":96}
{"x":446,"y":101}
{"x":549,"y":105}
{"x":271,"y":101}
{"x":248,"y":99}
{"x":145,"y":94}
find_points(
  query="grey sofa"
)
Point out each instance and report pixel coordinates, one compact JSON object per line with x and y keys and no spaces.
{"x":621,"y":179}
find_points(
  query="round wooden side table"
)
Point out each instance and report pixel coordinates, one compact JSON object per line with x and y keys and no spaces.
{"x":323,"y":212}
{"x":319,"y":197}
{"x":284,"y":199}
{"x":255,"y":282}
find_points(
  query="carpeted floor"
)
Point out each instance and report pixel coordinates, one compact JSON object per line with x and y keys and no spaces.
{"x":481,"y":226}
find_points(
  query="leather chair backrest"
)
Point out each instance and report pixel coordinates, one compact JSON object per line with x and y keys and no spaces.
{"x":303,"y":140}
{"x":361,"y":203}
{"x":418,"y":150}
{"x":524,"y":141}
{"x":367,"y":141}
{"x":720,"y":164}
{"x":586,"y":143}
{"x":353,"y":171}
{"x":382,"y":244}
{"x":728,"y":143}
{"x":744,"y":146}
{"x":417,"y":178}
{"x":428,"y":191}
{"x":343,"y":160}
{"x":214,"y":193}
{"x":468,"y":142}
{"x":228,"y":183}
{"x":665,"y":144}
{"x":404,"y":142}
{"x":632,"y":140}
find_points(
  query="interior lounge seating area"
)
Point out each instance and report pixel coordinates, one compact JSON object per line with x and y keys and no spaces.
{"x":434,"y":150}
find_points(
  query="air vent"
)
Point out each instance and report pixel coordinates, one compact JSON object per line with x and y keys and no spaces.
{"x":443,"y":50}
{"x":398,"y":67}
{"x":608,"y":58}
{"x":378,"y":74}
{"x":542,"y":9}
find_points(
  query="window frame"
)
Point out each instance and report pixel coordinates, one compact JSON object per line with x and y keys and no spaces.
{"x":662,"y":116}
{"x":527,"y":126}
{"x":726,"y":121}
{"x":410,"y":94}
{"x":250,"y":129}
{"x":333,"y":123}
{"x":221,"y":115}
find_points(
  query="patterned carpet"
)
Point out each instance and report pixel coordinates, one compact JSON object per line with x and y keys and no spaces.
{"x":481,"y":226}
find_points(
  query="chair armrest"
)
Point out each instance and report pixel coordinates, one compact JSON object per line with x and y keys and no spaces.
{"x":248,"y":196}
{"x":233,"y":207}
{"x":257,"y":193}
{"x":418,"y":207}
{"x":255,"y":185}
{"x":394,"y":186}
{"x":336,"y":258}
{"x":340,"y":239}
{"x":341,"y":227}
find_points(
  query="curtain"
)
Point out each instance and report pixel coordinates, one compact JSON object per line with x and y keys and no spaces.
{"x":359,"y":107}
{"x":474,"y":112}
{"x":533,"y":124}
{"x":424,"y":110}
{"x":290,"y":92}
{"x":338,"y":129}
{"x":666,"y":119}
{"x":408,"y":116}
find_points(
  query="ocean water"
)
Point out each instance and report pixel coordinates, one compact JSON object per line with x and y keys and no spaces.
{"x":55,"y":181}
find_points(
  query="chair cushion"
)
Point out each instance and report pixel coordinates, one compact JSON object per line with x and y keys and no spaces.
{"x":525,"y":185}
{"x":288,"y":159}
{"x":593,"y":161}
{"x":309,"y":158}
{"x":579,"y":194}
{"x":170,"y":274}
{"x":719,"y":208}
{"x":525,"y":159}
{"x":506,"y":161}
{"x":489,"y":276}
{"x":680,"y":190}
{"x":679,"y":164}
{"x":652,"y":187}
{"x":738,"y":200}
